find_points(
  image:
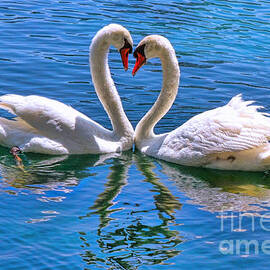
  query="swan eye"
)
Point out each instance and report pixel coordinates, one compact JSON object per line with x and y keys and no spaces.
{"x":140,"y":58}
{"x":127,"y":46}
{"x":139,"y":50}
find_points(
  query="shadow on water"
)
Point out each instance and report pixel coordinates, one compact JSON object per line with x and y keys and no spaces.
{"x":125,"y":235}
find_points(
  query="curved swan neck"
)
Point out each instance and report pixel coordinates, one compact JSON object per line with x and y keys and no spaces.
{"x":171,"y":76}
{"x":104,"y":84}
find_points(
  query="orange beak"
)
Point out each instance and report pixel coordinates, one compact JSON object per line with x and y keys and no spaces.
{"x":124,"y":55}
{"x":140,"y":61}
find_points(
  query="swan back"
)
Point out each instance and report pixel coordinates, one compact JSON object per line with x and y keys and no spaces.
{"x":233,"y":137}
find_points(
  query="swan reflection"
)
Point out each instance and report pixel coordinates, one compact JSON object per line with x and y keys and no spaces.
{"x":124,"y":233}
{"x":43,"y":173}
{"x":48,"y":179}
{"x":217,"y":191}
{"x":124,"y":214}
{"x":127,"y":237}
{"x":117,"y":179}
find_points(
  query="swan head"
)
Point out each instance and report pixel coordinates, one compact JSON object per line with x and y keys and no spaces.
{"x":150,"y":47}
{"x":120,"y":38}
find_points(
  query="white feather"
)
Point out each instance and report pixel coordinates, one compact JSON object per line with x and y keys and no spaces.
{"x":233,"y":137}
{"x":48,"y":126}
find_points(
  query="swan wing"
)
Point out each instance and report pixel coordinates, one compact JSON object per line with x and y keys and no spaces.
{"x":18,"y":132}
{"x":53,"y":120}
{"x":234,"y":127}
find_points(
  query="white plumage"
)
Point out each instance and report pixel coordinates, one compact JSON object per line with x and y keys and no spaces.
{"x":48,"y":126}
{"x":231,"y":137}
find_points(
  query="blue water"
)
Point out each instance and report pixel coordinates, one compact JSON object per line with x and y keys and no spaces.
{"x":129,"y":211}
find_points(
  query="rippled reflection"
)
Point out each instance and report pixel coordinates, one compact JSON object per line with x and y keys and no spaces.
{"x":125,"y":235}
{"x":117,"y":178}
{"x":42,"y":173}
{"x":164,"y":200}
{"x":133,"y":219}
{"x":217,"y":190}
{"x":126,"y":239}
{"x":123,"y":212}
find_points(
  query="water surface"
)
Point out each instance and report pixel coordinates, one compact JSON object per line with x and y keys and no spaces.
{"x":128,"y":211}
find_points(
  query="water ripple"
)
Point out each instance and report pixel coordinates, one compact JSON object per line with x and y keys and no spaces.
{"x":129,"y":211}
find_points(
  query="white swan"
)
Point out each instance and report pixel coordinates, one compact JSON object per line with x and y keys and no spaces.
{"x":47,"y":126}
{"x":232,"y":137}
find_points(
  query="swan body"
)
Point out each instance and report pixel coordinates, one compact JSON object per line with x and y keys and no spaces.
{"x":232,"y":137}
{"x":48,"y":126}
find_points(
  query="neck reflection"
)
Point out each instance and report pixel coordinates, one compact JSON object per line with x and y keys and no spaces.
{"x":130,"y":232}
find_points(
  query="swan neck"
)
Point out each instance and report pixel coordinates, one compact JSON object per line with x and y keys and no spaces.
{"x":105,"y":87}
{"x":170,"y":84}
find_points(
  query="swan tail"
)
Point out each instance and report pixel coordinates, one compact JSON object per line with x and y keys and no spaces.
{"x":245,"y":108}
{"x":6,"y":107}
{"x":250,"y":118}
{"x":14,"y":132}
{"x":18,"y":133}
{"x":11,"y":102}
